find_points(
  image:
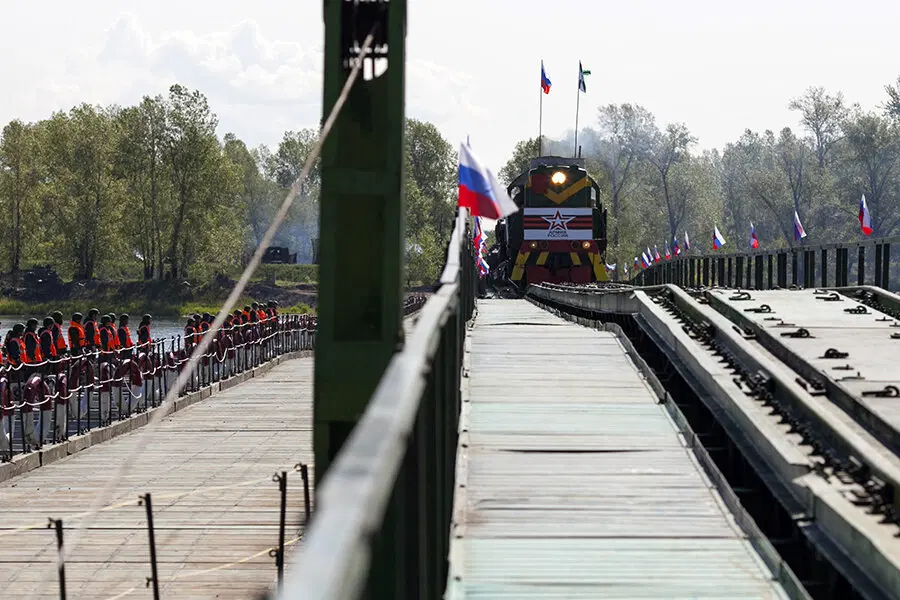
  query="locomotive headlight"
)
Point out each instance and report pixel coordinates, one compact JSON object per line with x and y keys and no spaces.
{"x":533,"y":245}
{"x":558,"y":178}
{"x":585,"y":245}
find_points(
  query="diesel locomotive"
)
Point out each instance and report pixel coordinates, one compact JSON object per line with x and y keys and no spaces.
{"x":558,"y":235}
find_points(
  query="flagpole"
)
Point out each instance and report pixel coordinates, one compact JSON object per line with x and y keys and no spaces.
{"x":577,"y":107}
{"x":541,"y":126}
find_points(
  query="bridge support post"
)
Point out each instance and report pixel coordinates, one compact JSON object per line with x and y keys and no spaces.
{"x":861,"y":266}
{"x":886,"y":265}
{"x":361,"y":220}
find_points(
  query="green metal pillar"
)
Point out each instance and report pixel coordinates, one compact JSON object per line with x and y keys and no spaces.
{"x":361,"y":221}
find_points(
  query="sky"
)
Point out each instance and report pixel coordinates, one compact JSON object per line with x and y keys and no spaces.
{"x":473,"y":65}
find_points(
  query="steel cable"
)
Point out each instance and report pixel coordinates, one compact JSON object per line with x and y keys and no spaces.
{"x":103,"y":497}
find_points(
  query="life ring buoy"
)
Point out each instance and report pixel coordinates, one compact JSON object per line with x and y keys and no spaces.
{"x":132,"y":371}
{"x":107,"y":376}
{"x":145,"y":365}
{"x":5,"y":402}
{"x":62,"y":389}
{"x":36,"y":392}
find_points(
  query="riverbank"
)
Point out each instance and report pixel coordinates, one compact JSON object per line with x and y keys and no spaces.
{"x":160,"y":298}
{"x":39,"y":291}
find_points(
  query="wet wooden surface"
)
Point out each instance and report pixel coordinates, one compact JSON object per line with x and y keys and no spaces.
{"x":209,"y":469}
{"x":574,"y":482}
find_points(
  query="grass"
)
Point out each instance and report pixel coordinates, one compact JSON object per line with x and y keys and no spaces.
{"x":135,"y":309}
{"x":162,"y":299}
{"x":287,"y":275}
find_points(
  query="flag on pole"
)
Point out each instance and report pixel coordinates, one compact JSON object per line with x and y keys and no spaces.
{"x":865,"y":219}
{"x":637,"y":263}
{"x":645,"y":259}
{"x":479,"y":190}
{"x":581,"y":74}
{"x":687,"y":242}
{"x":754,"y":241}
{"x":718,"y":240}
{"x":656,"y":256}
{"x":799,"y":232}
{"x":675,"y":246}
{"x":668,"y":254}
{"x":480,"y":242}
{"x":545,"y":81}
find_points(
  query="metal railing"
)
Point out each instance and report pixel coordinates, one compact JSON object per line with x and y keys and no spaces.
{"x":381,"y":528}
{"x":50,"y":401}
{"x":807,"y":266}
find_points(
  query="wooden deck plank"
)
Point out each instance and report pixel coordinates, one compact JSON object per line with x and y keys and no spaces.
{"x":245,"y":434}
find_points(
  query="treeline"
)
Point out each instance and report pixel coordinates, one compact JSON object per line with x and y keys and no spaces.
{"x":149,"y":191}
{"x":657,"y":188}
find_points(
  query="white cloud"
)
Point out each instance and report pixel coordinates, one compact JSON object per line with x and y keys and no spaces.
{"x":258,"y":87}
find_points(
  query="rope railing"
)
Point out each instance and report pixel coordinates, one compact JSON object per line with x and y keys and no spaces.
{"x":53,"y":400}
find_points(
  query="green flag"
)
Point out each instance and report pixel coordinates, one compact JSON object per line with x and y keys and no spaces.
{"x":581,"y":73}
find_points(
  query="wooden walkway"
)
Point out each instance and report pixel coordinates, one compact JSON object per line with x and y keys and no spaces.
{"x":573,"y":482}
{"x":212,"y":543}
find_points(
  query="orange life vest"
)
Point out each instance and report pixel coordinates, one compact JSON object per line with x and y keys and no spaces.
{"x":113,"y":337}
{"x":38,"y":357}
{"x":16,"y":362}
{"x":51,"y":345}
{"x":77,"y":344}
{"x":58,"y":337}
{"x":96,"y":339}
{"x":128,"y":342}
{"x":149,"y":341}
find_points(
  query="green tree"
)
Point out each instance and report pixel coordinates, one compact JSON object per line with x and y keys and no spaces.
{"x":518,"y":163}
{"x":667,"y":150}
{"x":20,"y":176}
{"x":140,"y":163}
{"x":191,"y":153}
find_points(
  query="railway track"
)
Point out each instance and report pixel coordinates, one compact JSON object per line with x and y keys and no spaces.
{"x":798,"y":382}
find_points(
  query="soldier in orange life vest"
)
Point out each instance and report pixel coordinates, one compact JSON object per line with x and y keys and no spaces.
{"x":78,"y":340}
{"x":58,"y":338}
{"x":125,"y":337}
{"x":92,"y":331}
{"x":205,"y":322}
{"x":14,"y":346}
{"x":145,"y":342}
{"x":32,"y":343}
{"x":114,"y":330}
{"x":107,"y":343}
{"x":48,"y":344}
{"x":190,"y":333}
{"x":15,"y":356}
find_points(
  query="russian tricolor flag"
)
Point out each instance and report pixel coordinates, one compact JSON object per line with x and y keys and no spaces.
{"x":545,"y":81}
{"x":675,"y":245}
{"x":637,"y":263}
{"x":799,"y":232}
{"x":668,"y":254}
{"x":865,"y":220}
{"x":479,"y":190}
{"x":655,"y":253}
{"x":645,"y":260}
{"x":718,"y":240}
{"x":687,"y":242}
{"x":754,"y":241}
